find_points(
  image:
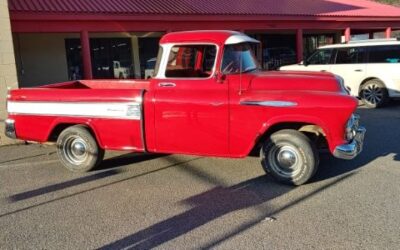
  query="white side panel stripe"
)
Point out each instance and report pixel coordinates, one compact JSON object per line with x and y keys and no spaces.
{"x":123,"y":110}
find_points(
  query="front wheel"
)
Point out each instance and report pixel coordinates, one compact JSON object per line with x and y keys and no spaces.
{"x":290,"y":157}
{"x":78,"y":150}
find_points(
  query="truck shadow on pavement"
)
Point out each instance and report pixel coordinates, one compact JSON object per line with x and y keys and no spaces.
{"x":110,"y":168}
{"x":123,"y":175}
{"x":256,"y":193}
{"x":252,"y":194}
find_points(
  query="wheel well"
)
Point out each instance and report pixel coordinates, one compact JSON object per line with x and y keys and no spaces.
{"x":312,"y":131}
{"x":61,"y":127}
{"x":366,"y":80}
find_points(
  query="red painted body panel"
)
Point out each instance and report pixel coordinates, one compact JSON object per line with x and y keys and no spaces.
{"x":113,"y":134}
{"x":192,"y":118}
{"x":217,"y":37}
{"x":110,"y":134}
{"x":318,"y":100}
{"x":82,"y":91}
{"x":197,"y":116}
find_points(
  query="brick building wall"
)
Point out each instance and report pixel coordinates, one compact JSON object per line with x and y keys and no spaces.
{"x":8,"y":72}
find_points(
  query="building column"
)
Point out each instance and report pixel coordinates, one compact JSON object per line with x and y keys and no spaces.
{"x":347,"y":34}
{"x":388,"y":32}
{"x":8,"y":71}
{"x":86,"y":57}
{"x":259,"y":54}
{"x":299,"y":45}
{"x":136,"y":57}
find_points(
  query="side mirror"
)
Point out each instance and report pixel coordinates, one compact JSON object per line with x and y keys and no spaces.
{"x":220,"y":77}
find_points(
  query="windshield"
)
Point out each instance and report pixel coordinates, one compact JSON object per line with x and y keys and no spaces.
{"x":238,"y":58}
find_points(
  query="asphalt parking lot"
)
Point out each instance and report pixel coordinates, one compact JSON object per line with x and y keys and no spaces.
{"x":188,"y":202}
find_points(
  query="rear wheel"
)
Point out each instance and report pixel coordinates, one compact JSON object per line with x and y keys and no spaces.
{"x":374,"y":94}
{"x":290,"y":157}
{"x":78,"y":150}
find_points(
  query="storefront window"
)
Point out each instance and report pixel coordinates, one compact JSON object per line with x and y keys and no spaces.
{"x":74,"y":59}
{"x":278,"y":50}
{"x":312,"y":42}
{"x":148,"y":48}
{"x":111,"y":58}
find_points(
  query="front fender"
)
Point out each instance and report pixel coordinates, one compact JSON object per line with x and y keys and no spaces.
{"x":328,"y":110}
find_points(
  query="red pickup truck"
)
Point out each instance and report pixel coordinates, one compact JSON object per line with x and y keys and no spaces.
{"x":207,"y":97}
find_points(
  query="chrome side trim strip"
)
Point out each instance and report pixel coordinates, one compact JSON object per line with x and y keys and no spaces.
{"x":269,"y":103}
{"x":110,"y":110}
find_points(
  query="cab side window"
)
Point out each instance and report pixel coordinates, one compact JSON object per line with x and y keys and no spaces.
{"x":191,"y":61}
{"x":322,"y":56}
{"x":351,"y":55}
{"x":384,"y":54}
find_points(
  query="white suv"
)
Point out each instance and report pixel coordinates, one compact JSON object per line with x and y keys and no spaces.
{"x":370,"y":68}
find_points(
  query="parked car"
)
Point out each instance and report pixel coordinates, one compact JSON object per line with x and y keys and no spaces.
{"x":208,"y":97}
{"x":119,"y":71}
{"x":273,"y":58}
{"x":369,"y":68}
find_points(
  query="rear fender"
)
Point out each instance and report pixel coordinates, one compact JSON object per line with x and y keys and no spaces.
{"x":72,"y":122}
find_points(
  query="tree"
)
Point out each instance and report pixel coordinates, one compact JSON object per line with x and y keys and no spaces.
{"x":392,"y":2}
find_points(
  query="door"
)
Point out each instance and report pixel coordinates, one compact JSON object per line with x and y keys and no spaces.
{"x":350,"y":64}
{"x":384,"y":64}
{"x":191,"y":108}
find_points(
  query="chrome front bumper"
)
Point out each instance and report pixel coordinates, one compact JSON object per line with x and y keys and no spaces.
{"x":351,"y":150}
{"x":10,"y":129}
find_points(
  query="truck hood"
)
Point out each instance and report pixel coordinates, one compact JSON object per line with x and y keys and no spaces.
{"x":295,"y":80}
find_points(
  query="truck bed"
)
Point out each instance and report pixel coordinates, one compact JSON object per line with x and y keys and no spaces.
{"x":83,"y":91}
{"x":101,"y":84}
{"x":112,"y":109}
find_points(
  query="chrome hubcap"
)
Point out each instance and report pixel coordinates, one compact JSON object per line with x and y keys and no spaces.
{"x":75,"y":150}
{"x":373,"y":94}
{"x":285,"y":160}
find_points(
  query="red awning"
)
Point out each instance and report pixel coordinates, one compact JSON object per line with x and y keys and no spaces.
{"x":320,"y":8}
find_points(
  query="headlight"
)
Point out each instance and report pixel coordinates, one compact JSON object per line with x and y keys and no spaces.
{"x":351,"y":127}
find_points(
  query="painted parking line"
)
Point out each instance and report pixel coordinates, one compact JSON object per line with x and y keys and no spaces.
{"x":25,"y":164}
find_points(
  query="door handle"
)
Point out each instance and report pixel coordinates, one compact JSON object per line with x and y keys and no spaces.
{"x":167,"y":84}
{"x":358,"y":70}
{"x":323,"y":70}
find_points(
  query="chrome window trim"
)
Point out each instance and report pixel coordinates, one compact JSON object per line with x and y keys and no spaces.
{"x":167,"y":47}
